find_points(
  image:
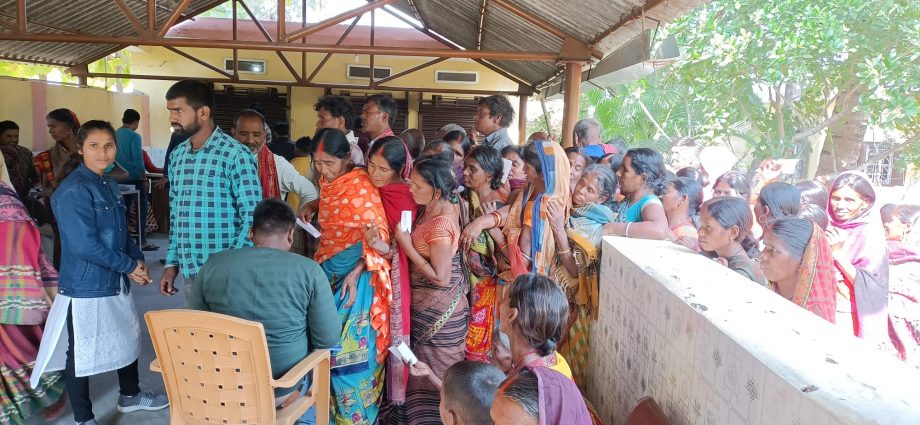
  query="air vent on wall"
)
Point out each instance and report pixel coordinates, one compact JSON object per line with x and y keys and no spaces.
{"x":456,"y":77}
{"x":360,"y":72}
{"x":251,"y":66}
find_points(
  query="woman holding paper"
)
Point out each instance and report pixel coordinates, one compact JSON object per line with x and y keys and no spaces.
{"x":358,"y":274}
{"x":389,"y":165}
{"x":482,"y":174}
{"x":439,"y":304}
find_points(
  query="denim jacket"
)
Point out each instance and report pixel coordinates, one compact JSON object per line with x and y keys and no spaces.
{"x":96,"y":251}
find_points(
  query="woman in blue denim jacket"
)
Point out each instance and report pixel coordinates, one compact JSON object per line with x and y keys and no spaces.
{"x":98,"y":258}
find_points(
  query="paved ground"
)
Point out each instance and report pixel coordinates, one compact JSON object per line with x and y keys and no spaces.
{"x":104,"y":388}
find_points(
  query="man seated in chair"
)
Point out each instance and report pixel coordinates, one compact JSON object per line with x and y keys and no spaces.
{"x":286,"y":292}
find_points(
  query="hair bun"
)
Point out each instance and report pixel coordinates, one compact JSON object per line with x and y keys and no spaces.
{"x":547,"y":347}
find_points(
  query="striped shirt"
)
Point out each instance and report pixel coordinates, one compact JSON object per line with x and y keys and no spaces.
{"x":212,"y":194}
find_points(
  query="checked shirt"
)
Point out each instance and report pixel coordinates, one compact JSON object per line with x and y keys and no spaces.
{"x":212,"y":194}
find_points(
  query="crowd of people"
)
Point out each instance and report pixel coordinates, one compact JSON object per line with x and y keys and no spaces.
{"x":478,"y":255}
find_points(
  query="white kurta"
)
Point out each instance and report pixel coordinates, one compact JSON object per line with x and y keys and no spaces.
{"x":106,"y":335}
{"x":290,"y":180}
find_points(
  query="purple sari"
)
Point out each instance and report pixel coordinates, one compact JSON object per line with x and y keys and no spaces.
{"x":867,"y":250}
{"x":560,"y":400}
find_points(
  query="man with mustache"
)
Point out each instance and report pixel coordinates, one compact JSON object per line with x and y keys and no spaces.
{"x":213,"y":186}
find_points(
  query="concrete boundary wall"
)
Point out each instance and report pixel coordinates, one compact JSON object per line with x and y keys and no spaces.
{"x":715,"y":348}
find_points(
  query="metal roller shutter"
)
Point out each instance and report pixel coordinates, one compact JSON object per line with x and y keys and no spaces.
{"x":439,"y":111}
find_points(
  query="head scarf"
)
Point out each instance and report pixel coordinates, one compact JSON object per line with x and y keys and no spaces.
{"x":556,"y":177}
{"x":815,"y":290}
{"x":865,"y":243}
{"x":560,"y":401}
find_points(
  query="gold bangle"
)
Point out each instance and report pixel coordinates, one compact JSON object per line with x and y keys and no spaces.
{"x":565,"y":252}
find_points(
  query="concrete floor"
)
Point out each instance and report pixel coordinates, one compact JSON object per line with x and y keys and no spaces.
{"x":104,"y":388}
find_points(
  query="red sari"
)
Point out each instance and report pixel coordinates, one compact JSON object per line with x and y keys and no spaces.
{"x":396,"y":199}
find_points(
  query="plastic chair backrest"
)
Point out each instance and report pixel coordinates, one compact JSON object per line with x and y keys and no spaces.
{"x":647,"y":412}
{"x":216,"y":367}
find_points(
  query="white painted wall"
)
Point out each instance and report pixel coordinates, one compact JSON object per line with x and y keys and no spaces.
{"x":715,"y":348}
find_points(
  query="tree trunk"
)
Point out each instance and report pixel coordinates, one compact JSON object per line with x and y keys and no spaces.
{"x":848,"y":137}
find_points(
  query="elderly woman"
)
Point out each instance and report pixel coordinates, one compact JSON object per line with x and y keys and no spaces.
{"x":482,"y":174}
{"x":348,"y":202}
{"x":798,"y":263}
{"x":578,"y":247}
{"x":27,"y":286}
{"x":389,"y":165}
{"x":857,"y":241}
{"x":439,"y":290}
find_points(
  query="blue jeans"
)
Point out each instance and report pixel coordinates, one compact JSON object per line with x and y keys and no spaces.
{"x":309,"y":417}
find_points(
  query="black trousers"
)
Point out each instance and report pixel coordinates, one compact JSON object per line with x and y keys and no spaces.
{"x":78,"y":387}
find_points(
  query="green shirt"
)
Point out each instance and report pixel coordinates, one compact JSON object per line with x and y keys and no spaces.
{"x":288,"y":293}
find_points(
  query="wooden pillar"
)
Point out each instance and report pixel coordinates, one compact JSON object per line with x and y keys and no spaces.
{"x":522,"y":119}
{"x":572,"y":98}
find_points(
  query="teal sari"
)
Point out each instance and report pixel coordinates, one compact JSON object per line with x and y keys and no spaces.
{"x":357,"y":377}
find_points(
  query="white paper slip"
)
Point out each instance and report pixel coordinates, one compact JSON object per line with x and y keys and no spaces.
{"x":405,"y":222}
{"x":506,"y":169}
{"x":404,"y":353}
{"x":309,"y":228}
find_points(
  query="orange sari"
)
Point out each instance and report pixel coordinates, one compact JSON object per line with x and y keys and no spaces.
{"x":346,"y":205}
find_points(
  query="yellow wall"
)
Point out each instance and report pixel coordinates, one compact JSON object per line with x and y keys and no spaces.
{"x":27,"y":102}
{"x":16,"y":95}
{"x":159,"y":61}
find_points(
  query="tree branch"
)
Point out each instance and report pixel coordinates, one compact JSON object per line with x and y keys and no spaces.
{"x":891,"y":151}
{"x":845,"y":111}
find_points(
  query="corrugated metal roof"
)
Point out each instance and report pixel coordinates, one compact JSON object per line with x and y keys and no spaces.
{"x":457,"y":20}
{"x":97,"y":17}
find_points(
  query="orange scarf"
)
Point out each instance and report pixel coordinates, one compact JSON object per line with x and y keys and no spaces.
{"x":346,"y":205}
{"x":268,"y":174}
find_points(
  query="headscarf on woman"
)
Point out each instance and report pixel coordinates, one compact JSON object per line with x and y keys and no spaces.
{"x":396,"y":198}
{"x":866,"y":249}
{"x":556,"y":177}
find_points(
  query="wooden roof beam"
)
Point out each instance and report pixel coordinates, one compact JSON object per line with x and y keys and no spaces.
{"x":135,"y":23}
{"x":174,"y":17}
{"x":287,"y":47}
{"x":199,"y":61}
{"x":337,"y":43}
{"x":335,"y":20}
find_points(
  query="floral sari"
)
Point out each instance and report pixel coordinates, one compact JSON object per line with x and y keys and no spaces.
{"x":480,"y":264}
{"x":526,"y":213}
{"x":586,"y":231}
{"x":346,"y":205}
